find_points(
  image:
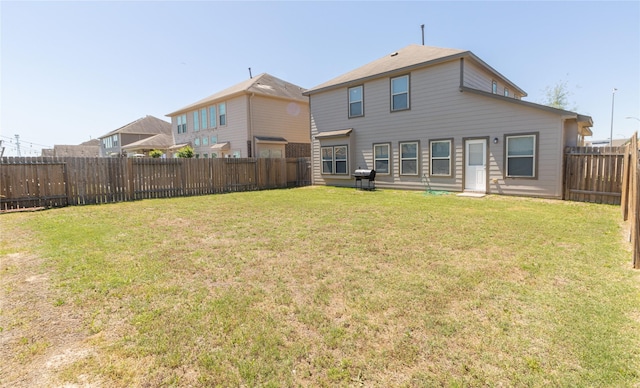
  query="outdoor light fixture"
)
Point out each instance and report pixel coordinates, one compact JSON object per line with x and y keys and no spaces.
{"x":495,"y":140}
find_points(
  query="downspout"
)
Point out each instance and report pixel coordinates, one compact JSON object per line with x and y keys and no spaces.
{"x":251,"y":141}
{"x":461,"y":73}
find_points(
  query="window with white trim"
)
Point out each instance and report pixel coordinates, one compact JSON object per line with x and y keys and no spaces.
{"x":203,"y":118}
{"x":212,"y":116}
{"x":196,"y":121}
{"x":381,"y":158}
{"x":440,"y":157}
{"x":520,"y":156}
{"x":205,"y":140}
{"x":334,"y":160}
{"x":196,"y":141}
{"x":506,"y":92}
{"x":494,"y":87}
{"x":356,"y":101}
{"x":182,"y":123}
{"x":409,"y":158}
{"x":222,"y":113}
{"x":214,"y":139}
{"x":400,"y":93}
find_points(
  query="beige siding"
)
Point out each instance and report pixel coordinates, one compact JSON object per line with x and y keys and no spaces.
{"x":439,"y":110}
{"x":479,"y":78}
{"x":280,"y":118}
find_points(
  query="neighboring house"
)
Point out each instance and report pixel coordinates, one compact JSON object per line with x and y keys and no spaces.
{"x":113,"y":142}
{"x":261,"y":117}
{"x":426,"y":117}
{"x":89,"y":148}
{"x":161,"y":142}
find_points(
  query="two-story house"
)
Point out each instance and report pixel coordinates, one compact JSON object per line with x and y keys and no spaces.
{"x":113,"y":142}
{"x":263,"y":116}
{"x":439,"y":118}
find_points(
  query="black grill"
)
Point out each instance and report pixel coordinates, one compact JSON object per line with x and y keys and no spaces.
{"x":369,"y":175}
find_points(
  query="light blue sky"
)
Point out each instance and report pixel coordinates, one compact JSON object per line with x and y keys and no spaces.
{"x":72,"y":71}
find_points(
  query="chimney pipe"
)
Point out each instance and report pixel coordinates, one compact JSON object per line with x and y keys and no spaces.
{"x":422,"y":26}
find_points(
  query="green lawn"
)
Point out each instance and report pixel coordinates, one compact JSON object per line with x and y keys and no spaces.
{"x":322,"y":286}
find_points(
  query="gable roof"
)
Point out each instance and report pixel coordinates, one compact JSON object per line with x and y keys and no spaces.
{"x":159,"y":141}
{"x":263,"y":84}
{"x":408,"y":58}
{"x":145,"y":125}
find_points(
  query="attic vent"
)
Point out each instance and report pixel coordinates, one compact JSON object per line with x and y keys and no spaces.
{"x":394,"y":54}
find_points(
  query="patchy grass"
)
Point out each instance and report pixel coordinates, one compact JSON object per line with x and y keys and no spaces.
{"x":325,"y":286}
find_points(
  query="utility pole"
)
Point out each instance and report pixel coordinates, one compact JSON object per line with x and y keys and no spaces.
{"x":18,"y":144}
{"x":613,"y":99}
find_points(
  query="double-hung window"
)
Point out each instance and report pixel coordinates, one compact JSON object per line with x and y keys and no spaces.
{"x":212,"y":116}
{"x":196,"y":142}
{"x":409,"y":158}
{"x":506,"y":92}
{"x":222,"y":113}
{"x":196,"y":121}
{"x":381,"y":160}
{"x":334,"y":160}
{"x":520,"y":158}
{"x":400,"y":93}
{"x":494,"y":87}
{"x":356,"y":101}
{"x":182,"y":123}
{"x":440,"y":157}
{"x":203,"y":117}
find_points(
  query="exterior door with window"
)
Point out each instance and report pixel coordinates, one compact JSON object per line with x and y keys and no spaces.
{"x":475,"y":169}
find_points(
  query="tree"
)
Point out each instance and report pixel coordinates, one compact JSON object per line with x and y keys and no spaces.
{"x":557,"y":96}
{"x":185,"y":152}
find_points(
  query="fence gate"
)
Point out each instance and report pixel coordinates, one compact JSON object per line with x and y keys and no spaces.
{"x":593,"y":174}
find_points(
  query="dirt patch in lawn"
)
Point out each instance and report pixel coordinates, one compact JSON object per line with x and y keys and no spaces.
{"x":39,"y":334}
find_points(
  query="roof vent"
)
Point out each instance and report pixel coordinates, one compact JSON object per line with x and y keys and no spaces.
{"x":394,"y":54}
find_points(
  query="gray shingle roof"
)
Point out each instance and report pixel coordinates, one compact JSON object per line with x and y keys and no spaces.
{"x":408,"y":58}
{"x":145,"y":125}
{"x":263,"y":84}
{"x":160,"y":141}
{"x":411,"y":56}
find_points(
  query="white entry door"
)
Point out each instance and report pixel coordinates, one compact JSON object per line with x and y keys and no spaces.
{"x":475,"y":169}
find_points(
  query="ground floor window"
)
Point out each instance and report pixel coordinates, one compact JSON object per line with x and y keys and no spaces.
{"x":409,"y":158}
{"x":334,"y":160}
{"x":440,"y":157}
{"x":381,"y":159}
{"x":520,"y":158}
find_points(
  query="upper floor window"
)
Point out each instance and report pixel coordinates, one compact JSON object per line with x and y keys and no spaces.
{"x":214,"y":139}
{"x":222,"y":113}
{"x":381,"y":159}
{"x":494,"y":87}
{"x":196,"y":121}
{"x":205,"y":140}
{"x":182,"y":123}
{"x":409,"y":158}
{"x":203,"y":118}
{"x":440,"y":157}
{"x":520,"y":158}
{"x":356,"y":106}
{"x":115,"y":140}
{"x":506,"y":92}
{"x":212,"y":116}
{"x":400,"y":93}
{"x":334,"y":159}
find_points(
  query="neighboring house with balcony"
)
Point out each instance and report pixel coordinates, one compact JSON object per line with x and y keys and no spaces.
{"x":113,"y":142}
{"x":261,"y":117}
{"x":439,"y":118}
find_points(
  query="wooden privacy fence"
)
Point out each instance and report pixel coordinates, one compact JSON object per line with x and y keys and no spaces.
{"x":55,"y":182}
{"x":631,"y":196}
{"x":593,"y":174}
